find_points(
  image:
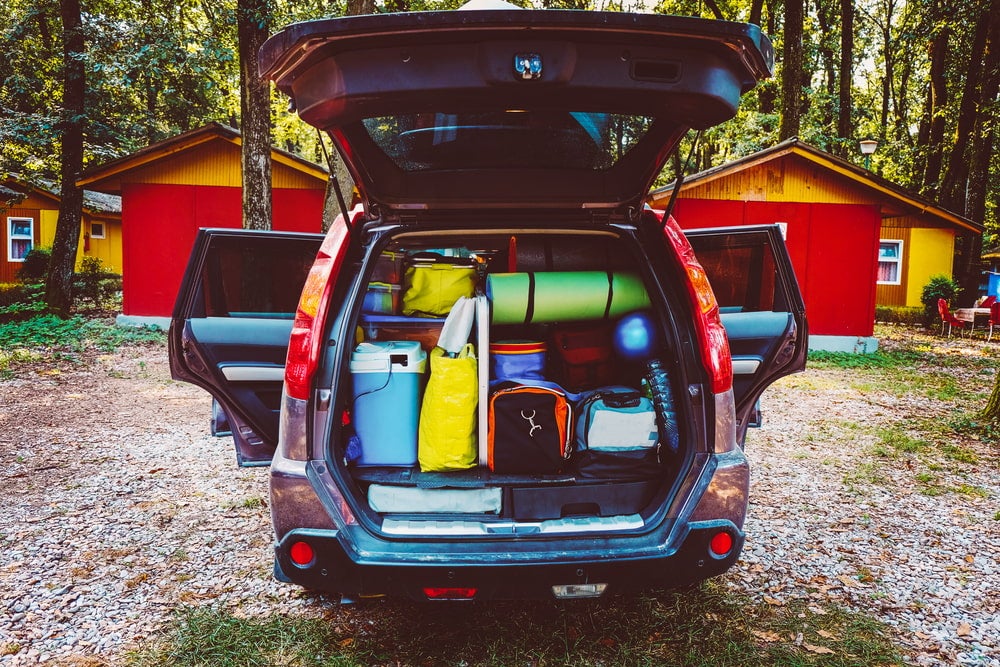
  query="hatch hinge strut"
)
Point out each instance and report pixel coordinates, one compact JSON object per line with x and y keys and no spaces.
{"x":679,"y":181}
{"x":334,"y":181}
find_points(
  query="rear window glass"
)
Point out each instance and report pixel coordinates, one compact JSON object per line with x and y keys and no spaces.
{"x":743,"y":273}
{"x":537,"y":139}
{"x":254,"y":277}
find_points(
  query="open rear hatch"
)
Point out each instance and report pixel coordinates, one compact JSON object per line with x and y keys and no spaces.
{"x":512,"y":108}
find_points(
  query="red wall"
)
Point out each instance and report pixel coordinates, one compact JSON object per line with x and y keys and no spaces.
{"x":159,"y":223}
{"x":833,"y":247}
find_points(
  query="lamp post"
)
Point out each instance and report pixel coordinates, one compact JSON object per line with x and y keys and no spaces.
{"x":868,"y":147}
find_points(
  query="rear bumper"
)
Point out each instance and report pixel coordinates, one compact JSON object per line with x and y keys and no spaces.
{"x":334,"y":569}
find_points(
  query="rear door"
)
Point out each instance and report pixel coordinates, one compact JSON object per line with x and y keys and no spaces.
{"x":231,"y":323}
{"x":761,"y":308}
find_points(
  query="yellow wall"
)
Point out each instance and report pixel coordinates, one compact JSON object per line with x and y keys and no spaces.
{"x":931,"y":253}
{"x":108,"y":249}
{"x":215,"y":163}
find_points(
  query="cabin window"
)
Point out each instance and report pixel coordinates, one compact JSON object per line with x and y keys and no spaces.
{"x":20,"y":238}
{"x":97,"y":230}
{"x":890,"y":262}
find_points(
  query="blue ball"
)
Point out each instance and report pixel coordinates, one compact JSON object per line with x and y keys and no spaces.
{"x":635,"y":337}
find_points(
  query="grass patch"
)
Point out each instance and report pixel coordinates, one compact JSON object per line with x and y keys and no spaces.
{"x":707,"y":626}
{"x":875,"y":360}
{"x":900,"y":441}
{"x":48,"y":339}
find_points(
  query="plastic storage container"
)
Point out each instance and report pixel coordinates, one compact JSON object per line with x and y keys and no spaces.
{"x":381,"y":299}
{"x":388,"y":379}
{"x":425,"y":330}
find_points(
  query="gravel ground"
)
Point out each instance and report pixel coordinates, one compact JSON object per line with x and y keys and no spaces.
{"x":119,"y":507}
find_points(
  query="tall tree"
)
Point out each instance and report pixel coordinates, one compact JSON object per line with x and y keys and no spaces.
{"x":59,"y":285}
{"x":845,"y":122}
{"x":253,"y":19}
{"x":791,"y":70}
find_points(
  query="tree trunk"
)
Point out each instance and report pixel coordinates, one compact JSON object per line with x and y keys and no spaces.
{"x":59,"y":283}
{"x":253,"y":18}
{"x":791,"y":70}
{"x":937,"y":98}
{"x":845,"y":124}
{"x":982,"y":140}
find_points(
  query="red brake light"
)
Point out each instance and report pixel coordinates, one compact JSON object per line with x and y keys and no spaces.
{"x":452,"y":593}
{"x":721,"y":544}
{"x":301,"y":554}
{"x":712,"y":337}
{"x":310,"y":316}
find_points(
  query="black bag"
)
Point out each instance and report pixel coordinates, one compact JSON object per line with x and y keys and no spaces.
{"x":529,"y":429}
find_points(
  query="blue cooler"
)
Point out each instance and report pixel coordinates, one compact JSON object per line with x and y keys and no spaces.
{"x":388,"y":379}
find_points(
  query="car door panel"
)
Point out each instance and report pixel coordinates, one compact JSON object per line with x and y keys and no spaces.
{"x":761,"y":307}
{"x":231,"y":324}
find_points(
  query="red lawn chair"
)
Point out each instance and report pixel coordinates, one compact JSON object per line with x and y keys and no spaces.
{"x":947,"y":319}
{"x":994,"y":318}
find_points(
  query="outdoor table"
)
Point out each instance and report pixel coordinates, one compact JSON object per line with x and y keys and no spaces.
{"x":970,"y":314}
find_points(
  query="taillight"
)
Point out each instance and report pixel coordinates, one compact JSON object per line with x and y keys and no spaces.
{"x":450,"y":593}
{"x":712,"y":338}
{"x":721,"y":544}
{"x":302,"y":554}
{"x":310,"y":316}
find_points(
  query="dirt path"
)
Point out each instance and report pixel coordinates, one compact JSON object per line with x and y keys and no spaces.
{"x":118,"y":507}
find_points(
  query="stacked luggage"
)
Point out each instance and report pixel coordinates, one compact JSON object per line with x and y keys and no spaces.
{"x":538,"y":385}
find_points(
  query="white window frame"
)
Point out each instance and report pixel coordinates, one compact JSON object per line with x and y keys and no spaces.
{"x":95,"y":235}
{"x":898,"y":261}
{"x":11,"y":236}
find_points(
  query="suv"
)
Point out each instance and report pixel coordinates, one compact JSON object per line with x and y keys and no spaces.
{"x":509,"y":151}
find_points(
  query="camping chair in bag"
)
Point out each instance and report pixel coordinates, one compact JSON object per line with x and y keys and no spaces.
{"x":947,"y":319}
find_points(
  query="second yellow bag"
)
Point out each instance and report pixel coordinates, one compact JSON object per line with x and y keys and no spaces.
{"x":447,"y":429}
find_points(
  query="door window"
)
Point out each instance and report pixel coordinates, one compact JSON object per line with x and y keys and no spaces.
{"x":743,"y":274}
{"x":256,"y":277}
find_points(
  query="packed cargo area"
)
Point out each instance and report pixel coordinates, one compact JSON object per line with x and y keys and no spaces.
{"x":509,"y":376}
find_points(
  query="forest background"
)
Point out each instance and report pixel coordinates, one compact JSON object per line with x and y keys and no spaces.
{"x":88,"y":81}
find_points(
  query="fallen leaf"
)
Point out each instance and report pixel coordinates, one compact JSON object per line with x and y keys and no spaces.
{"x":964,"y":630}
{"x":773,"y":601}
{"x":848,"y":581}
{"x":969,"y":558}
{"x":817,"y":649}
{"x":344,"y":643}
{"x":767,"y":636}
{"x":819,"y":611}
{"x":826,"y":635}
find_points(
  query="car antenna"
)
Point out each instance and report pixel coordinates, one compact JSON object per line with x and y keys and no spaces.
{"x":334,"y":179}
{"x":679,"y":181}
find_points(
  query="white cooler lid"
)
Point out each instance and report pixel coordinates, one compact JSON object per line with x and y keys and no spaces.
{"x":374,"y":357}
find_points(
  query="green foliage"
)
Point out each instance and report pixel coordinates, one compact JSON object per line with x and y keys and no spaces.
{"x":939,"y":287}
{"x":879,"y":359}
{"x":75,"y":334}
{"x":36,"y":266}
{"x":19,"y":301}
{"x":95,"y":286}
{"x":911,"y":315}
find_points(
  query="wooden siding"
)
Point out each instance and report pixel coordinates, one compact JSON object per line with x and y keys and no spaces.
{"x":214,"y":163}
{"x":895,"y":295}
{"x":792,"y":179}
{"x":9,"y":270}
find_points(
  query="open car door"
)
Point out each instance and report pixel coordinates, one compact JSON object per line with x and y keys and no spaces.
{"x":231,"y":323}
{"x":761,"y":307}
